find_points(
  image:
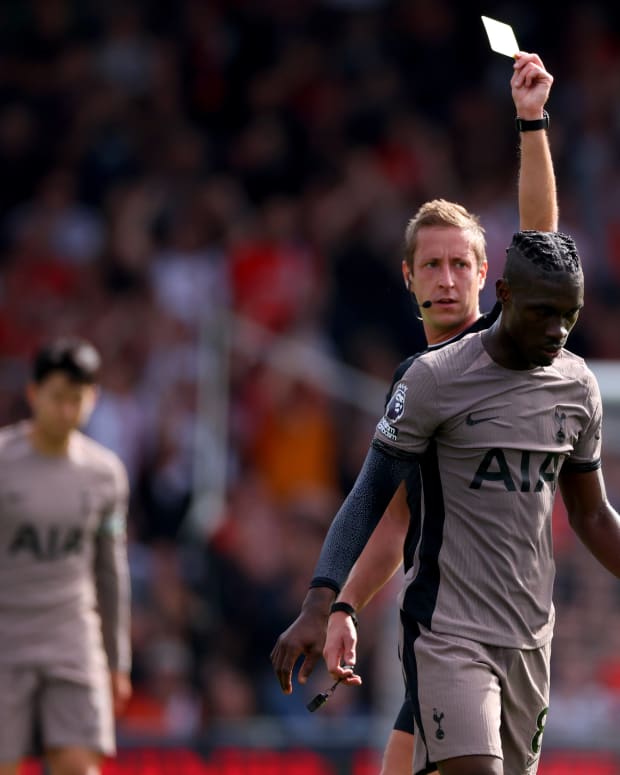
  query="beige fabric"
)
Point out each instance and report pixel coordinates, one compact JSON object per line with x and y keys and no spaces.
{"x":480,"y":700}
{"x":39,"y":711}
{"x":491,"y":443}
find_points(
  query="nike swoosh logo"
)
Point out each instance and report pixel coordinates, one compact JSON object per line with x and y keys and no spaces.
{"x":471,"y":421}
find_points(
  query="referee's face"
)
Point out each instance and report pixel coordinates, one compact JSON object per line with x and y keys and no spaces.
{"x":59,"y":405}
{"x":446,"y":273}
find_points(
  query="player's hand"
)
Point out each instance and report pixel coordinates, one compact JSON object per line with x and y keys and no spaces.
{"x":306,"y":635}
{"x":530,"y":84}
{"x":339,"y":652}
{"x":121,"y":690}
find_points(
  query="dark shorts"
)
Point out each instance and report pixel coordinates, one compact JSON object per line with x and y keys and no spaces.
{"x":404,"y":720}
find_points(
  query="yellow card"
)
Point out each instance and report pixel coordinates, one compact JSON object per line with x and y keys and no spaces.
{"x":501,"y":37}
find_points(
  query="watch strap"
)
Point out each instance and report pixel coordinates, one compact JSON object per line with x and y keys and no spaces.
{"x":339,"y":605}
{"x":525,"y":125}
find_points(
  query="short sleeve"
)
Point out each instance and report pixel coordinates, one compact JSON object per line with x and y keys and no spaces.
{"x":586,"y":455}
{"x":412,"y":413}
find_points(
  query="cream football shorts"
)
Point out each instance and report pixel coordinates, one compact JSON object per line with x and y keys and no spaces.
{"x":474,"y":699}
{"x":40,"y":711}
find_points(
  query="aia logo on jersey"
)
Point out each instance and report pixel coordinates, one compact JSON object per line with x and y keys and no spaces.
{"x":52,"y":542}
{"x":396,"y":406}
{"x":523,"y":475}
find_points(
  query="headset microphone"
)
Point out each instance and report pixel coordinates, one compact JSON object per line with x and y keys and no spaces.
{"x":427,"y":304}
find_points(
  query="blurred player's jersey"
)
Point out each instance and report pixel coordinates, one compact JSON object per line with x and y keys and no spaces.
{"x":55,"y":514}
{"x":491,"y":442}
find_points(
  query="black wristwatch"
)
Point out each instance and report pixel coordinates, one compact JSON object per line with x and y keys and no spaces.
{"x":523,"y":125}
{"x":345,"y":608}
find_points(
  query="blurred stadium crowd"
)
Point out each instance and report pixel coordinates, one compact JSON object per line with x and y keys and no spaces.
{"x":164,"y":163}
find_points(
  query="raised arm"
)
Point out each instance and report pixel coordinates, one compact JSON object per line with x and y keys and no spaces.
{"x":538,"y":207}
{"x":530,"y":85}
{"x":382,"y":554}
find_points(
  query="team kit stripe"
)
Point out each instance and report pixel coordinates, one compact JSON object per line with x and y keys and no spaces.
{"x":421,"y":595}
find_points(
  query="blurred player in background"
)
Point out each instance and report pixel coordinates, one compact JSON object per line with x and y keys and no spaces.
{"x":64,"y":581}
{"x":445,"y":264}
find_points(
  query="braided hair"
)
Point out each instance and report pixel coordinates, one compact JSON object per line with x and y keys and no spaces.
{"x":548,"y":251}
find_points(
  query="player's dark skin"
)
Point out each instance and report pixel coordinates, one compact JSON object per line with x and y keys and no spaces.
{"x":530,"y":86}
{"x":538,"y":313}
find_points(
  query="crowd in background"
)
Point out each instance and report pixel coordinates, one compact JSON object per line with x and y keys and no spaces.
{"x":161,"y":160}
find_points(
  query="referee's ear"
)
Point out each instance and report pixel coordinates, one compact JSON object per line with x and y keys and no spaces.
{"x":406,"y":274}
{"x":482,"y":274}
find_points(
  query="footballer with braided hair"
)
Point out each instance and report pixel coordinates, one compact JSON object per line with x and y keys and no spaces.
{"x":497,"y":422}
{"x":549,"y":251}
{"x":444,"y":268}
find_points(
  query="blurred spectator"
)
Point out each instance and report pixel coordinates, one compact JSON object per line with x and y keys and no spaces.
{"x":69,"y":229}
{"x":196,"y":187}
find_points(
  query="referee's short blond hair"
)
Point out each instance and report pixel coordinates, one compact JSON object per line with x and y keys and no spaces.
{"x":440,"y":212}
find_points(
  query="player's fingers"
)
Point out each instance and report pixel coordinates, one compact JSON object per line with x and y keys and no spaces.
{"x":283,"y":661}
{"x":307,"y":666}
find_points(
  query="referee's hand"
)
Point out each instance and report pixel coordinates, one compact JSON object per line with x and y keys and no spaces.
{"x":340,"y":650}
{"x":530,"y":84}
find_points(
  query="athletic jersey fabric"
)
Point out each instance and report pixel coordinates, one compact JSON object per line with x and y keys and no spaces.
{"x":374,"y":488}
{"x":491,"y":442}
{"x":413,"y":484}
{"x":64,"y":582}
